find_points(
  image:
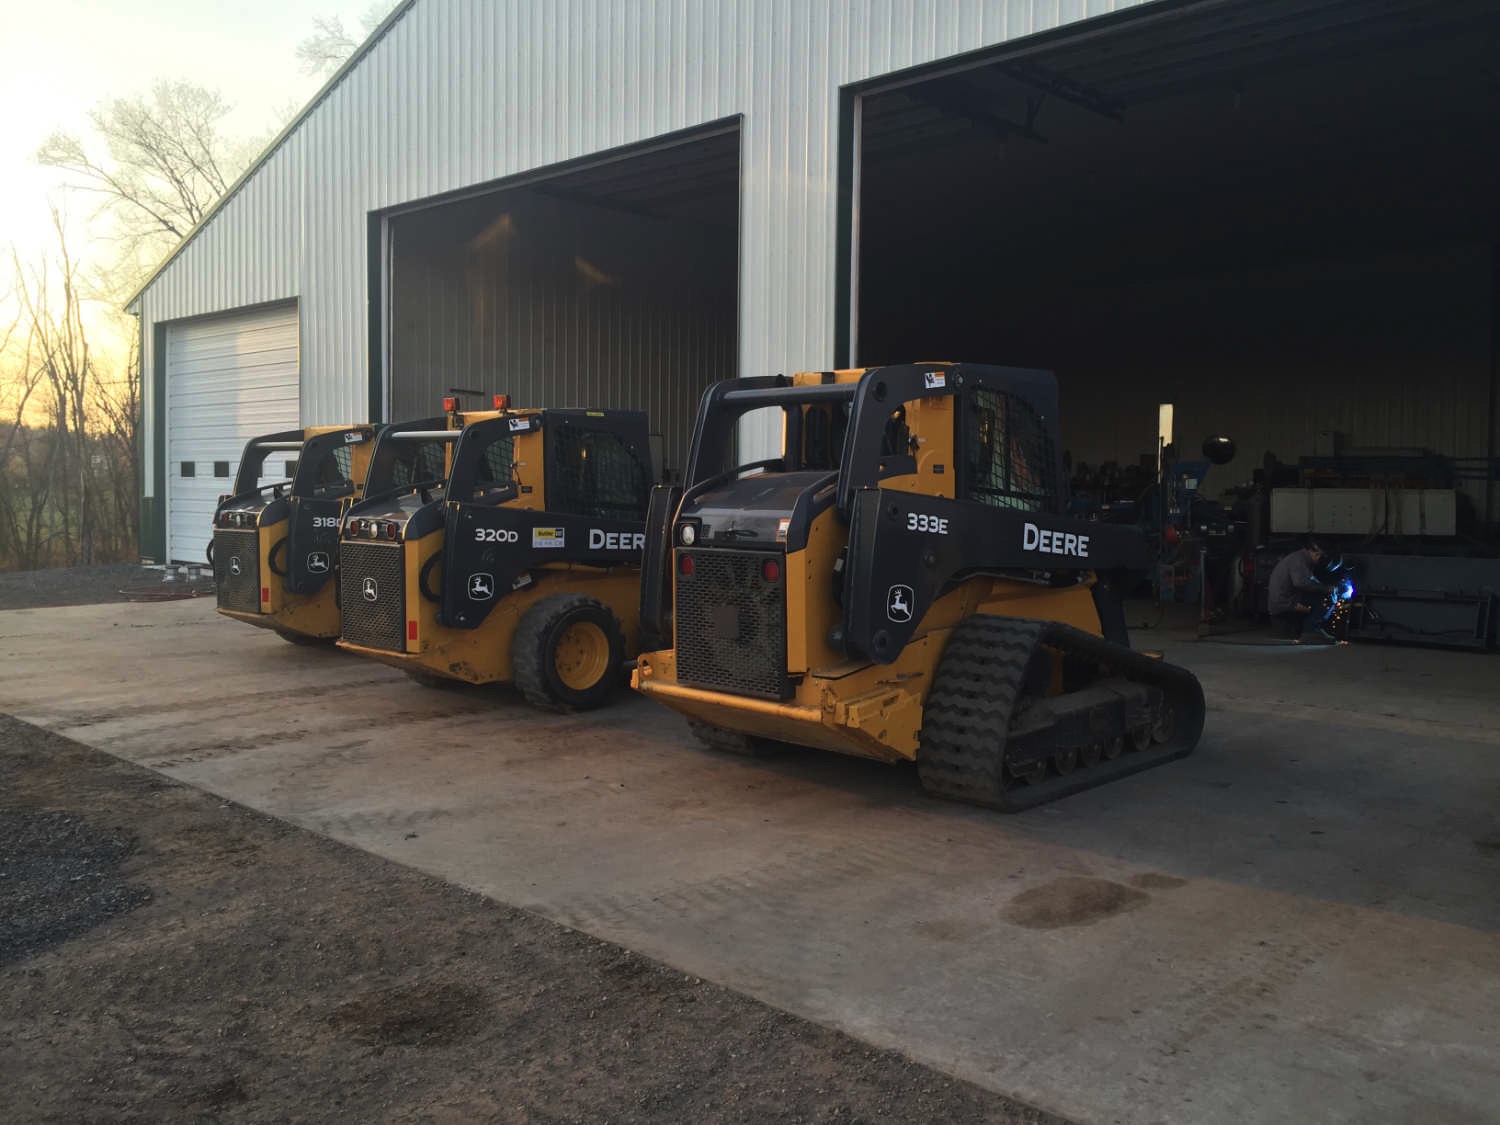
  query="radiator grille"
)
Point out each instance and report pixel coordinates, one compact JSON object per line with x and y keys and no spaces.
{"x":372,"y":595}
{"x":237,"y":569}
{"x":731,"y":625}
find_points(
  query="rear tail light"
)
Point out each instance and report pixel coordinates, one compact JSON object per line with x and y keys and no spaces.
{"x":392,"y":530}
{"x":770,"y":570}
{"x":450,"y":403}
{"x":502,"y":402}
{"x":685,"y":564}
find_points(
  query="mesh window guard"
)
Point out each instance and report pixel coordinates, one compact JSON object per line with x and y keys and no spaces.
{"x":1008,"y":453}
{"x":596,"y":474}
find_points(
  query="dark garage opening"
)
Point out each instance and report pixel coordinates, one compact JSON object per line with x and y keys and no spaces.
{"x":1281,"y":216}
{"x":613,"y":285}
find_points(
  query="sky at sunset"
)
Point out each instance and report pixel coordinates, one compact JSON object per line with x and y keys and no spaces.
{"x":59,"y":58}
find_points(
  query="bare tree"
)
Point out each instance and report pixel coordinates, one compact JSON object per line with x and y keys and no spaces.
{"x":330,"y":45}
{"x":68,"y":468}
{"x":163,"y":163}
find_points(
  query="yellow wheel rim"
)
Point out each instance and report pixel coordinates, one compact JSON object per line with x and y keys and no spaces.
{"x":581,"y":657}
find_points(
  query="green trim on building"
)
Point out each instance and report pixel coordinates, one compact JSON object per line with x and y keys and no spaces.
{"x":153,"y":534}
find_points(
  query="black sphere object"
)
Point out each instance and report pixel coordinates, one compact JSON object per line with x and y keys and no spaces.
{"x":1218,"y":449}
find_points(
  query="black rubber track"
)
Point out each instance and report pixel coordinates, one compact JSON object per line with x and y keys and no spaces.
{"x":980,"y":678}
{"x":532,"y":654}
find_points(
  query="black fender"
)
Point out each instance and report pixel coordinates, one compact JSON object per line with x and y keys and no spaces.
{"x":907,"y":550}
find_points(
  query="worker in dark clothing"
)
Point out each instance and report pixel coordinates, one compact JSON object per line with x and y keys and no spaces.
{"x":1294,"y":592}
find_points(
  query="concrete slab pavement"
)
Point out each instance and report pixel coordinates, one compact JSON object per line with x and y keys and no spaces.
{"x":1300,"y":921}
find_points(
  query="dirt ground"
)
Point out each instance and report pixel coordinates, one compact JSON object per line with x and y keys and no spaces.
{"x":166,"y":955}
{"x":75,"y":585}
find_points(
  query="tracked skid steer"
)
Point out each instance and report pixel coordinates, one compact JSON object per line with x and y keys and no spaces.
{"x":900,"y":583}
{"x":502,"y":546}
{"x":275,"y":545}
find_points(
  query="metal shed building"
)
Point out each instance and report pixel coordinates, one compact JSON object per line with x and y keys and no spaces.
{"x":1278,"y":213}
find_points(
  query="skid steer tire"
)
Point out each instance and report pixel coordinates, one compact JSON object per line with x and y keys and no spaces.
{"x":434,"y":681}
{"x":304,"y":639}
{"x":734,"y":742}
{"x":567,"y":653}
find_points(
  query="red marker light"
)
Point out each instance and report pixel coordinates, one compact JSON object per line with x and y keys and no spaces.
{"x":685,"y":564}
{"x":770,"y":570}
{"x":392,"y":529}
{"x":502,"y":402}
{"x":265,"y":593}
{"x":450,"y":403}
{"x":411,"y":630}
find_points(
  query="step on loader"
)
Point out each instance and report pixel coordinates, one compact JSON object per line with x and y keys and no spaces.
{"x":502,"y":546}
{"x":275,"y":545}
{"x":900,"y":583}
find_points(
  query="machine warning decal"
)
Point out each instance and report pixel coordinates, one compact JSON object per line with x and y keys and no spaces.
{"x":234,"y":566}
{"x":548,"y":537}
{"x":519,"y":425}
{"x":898,"y":603}
{"x":317,"y":562}
{"x":353,"y":437}
{"x":371,"y":590}
{"x":781,"y":526}
{"x":481,"y":587}
{"x":934,"y":379}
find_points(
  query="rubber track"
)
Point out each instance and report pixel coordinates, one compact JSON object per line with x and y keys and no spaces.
{"x":979,"y":680}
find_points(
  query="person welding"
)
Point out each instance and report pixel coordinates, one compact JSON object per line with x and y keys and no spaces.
{"x":1293,"y":593}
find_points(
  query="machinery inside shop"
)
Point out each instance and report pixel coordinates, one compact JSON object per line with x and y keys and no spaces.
{"x":1276,"y":218}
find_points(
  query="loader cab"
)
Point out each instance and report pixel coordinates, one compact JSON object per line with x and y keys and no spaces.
{"x":953,"y":432}
{"x":468,"y":507}
{"x":275,"y":539}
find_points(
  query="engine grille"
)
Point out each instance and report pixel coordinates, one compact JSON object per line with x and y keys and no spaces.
{"x":237,"y":569}
{"x":731,"y":625}
{"x":372,"y":595}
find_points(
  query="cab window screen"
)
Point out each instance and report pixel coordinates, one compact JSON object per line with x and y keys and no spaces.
{"x":418,"y":462}
{"x":334,"y":476}
{"x":1009,"y":460}
{"x":494,"y":473}
{"x":594,"y":473}
{"x":823,"y":430}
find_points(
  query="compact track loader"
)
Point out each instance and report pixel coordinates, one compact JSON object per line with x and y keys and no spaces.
{"x":502,"y":546}
{"x":900,"y":584}
{"x":275,"y":546}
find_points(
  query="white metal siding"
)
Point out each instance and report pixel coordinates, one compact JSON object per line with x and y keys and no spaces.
{"x":229,"y":378}
{"x":465,"y":91}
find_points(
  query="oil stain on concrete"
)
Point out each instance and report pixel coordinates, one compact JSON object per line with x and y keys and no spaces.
{"x":1071,"y":901}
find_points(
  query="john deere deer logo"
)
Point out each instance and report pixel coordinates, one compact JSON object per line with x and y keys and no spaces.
{"x":234,"y":566}
{"x":371,"y":590}
{"x":898,"y":603}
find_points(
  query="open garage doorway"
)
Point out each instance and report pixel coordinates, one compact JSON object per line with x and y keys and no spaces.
{"x":607,"y":283}
{"x":1280,"y":216}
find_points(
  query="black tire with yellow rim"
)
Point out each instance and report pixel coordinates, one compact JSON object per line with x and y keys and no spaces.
{"x":567,"y":653}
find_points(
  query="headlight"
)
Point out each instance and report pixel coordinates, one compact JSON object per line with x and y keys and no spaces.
{"x":688,"y":535}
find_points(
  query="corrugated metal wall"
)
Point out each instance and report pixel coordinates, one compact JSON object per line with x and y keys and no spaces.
{"x":465,"y":91}
{"x":562,"y":303}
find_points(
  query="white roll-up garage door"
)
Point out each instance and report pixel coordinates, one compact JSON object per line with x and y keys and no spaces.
{"x":229,"y":378}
